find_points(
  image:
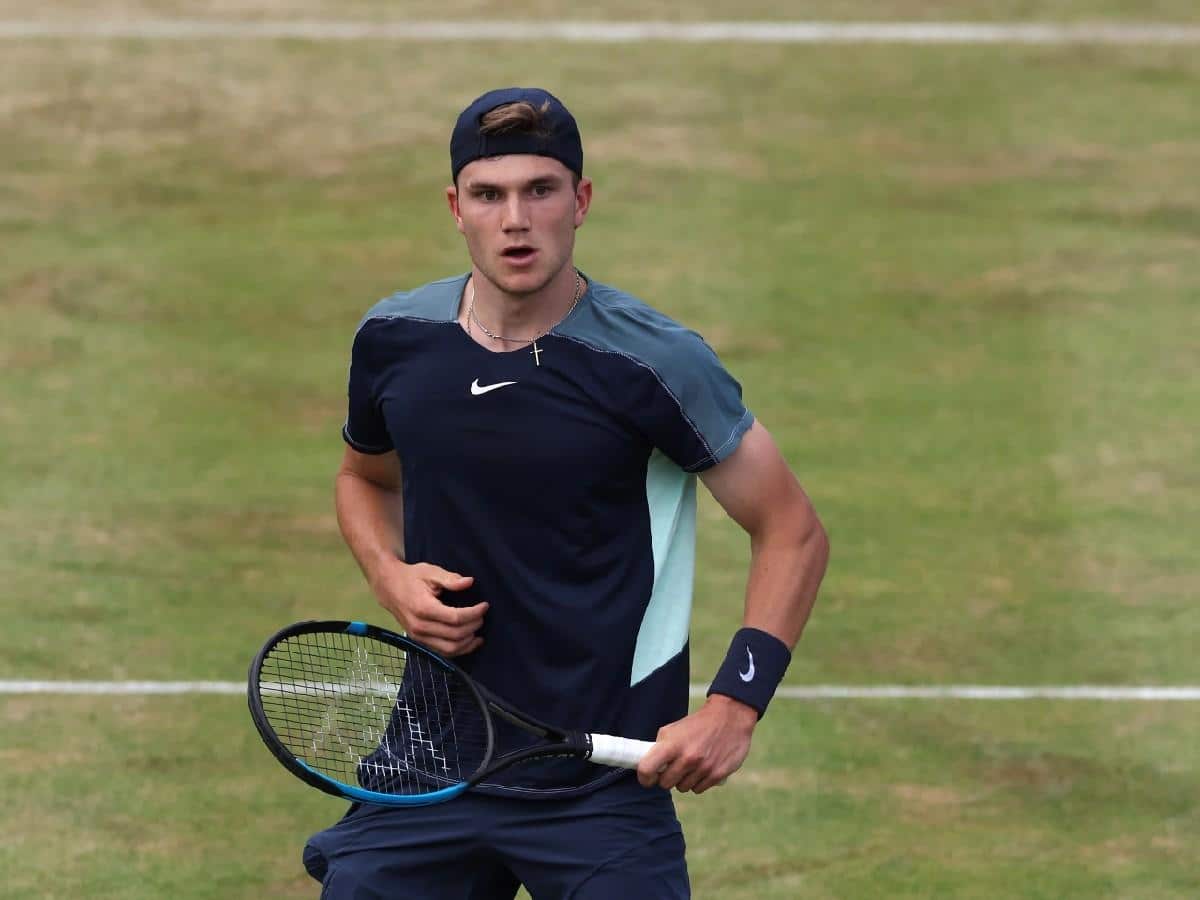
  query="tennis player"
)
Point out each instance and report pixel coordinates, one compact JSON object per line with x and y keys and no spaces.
{"x":519,"y":489}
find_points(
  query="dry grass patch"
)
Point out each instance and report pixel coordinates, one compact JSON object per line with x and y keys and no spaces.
{"x":1125,"y":851}
{"x":48,"y":760}
{"x":797,"y":778}
{"x":1015,"y":164}
{"x":676,"y":147}
{"x":270,"y":106}
{"x":932,"y":803}
{"x":18,"y":710}
{"x":1046,"y":774}
{"x":736,"y":342}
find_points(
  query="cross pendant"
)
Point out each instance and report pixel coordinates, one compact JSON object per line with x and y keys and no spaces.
{"x":536,"y":354}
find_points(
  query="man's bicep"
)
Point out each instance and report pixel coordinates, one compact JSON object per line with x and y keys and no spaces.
{"x":754,"y":483}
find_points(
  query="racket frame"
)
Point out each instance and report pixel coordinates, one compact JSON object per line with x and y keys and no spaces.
{"x":322,"y":782}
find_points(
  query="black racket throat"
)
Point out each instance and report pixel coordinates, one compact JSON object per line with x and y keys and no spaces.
{"x":528,"y":723}
{"x":561,"y":744}
{"x":555,"y":742}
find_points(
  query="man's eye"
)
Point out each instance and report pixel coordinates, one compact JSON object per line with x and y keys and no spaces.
{"x":541,"y":190}
{"x":488,"y":196}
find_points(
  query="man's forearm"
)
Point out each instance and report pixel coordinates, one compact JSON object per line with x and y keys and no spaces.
{"x":371,"y":518}
{"x":788,"y":557}
{"x":787,"y":564}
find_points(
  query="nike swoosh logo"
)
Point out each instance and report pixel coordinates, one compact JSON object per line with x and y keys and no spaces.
{"x":748,"y":675}
{"x":477,"y":388}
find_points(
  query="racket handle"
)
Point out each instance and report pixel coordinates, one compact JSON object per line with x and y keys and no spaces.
{"x":624,"y":753}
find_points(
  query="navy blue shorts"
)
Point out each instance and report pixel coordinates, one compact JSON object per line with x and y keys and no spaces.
{"x":620,"y":841}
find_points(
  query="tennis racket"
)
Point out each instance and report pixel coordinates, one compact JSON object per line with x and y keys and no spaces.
{"x":372,"y":716}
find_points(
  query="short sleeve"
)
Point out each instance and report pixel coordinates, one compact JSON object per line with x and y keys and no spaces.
{"x":365,"y":429}
{"x":696,"y":415}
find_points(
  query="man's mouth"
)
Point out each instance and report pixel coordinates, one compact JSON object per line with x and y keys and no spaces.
{"x":520,"y":253}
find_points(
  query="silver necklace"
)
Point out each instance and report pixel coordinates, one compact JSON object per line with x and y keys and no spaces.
{"x":536,"y":351}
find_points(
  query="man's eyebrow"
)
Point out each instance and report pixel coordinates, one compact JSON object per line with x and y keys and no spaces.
{"x":550,"y":180}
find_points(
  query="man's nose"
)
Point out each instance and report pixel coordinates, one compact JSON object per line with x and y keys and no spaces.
{"x":516,"y":215}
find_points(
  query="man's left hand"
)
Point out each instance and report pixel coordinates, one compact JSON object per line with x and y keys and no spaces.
{"x":700,"y":750}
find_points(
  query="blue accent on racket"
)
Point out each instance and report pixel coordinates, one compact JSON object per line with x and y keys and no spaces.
{"x":362,"y":795}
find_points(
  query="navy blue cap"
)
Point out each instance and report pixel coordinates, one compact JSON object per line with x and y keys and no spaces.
{"x":560,"y":139}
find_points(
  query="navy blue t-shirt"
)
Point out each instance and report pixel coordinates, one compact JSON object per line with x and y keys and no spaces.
{"x":566,"y":489}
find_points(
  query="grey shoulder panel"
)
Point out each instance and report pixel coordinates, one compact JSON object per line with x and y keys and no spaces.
{"x":433,"y":302}
{"x":687,"y":368}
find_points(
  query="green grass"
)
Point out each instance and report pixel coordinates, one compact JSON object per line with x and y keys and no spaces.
{"x":959,"y":285}
{"x":637,"y":10}
{"x":175,"y":797}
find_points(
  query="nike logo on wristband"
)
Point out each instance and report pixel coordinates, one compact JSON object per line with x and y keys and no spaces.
{"x":477,"y":388}
{"x":748,"y":675}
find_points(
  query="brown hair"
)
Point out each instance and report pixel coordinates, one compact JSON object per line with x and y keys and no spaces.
{"x":521,"y":116}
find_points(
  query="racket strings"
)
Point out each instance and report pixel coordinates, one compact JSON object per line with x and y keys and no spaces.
{"x":365,"y":712}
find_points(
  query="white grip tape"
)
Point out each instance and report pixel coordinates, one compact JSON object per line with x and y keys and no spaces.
{"x":624,"y":753}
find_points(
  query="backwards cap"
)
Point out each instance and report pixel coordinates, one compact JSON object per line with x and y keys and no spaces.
{"x":560,"y":139}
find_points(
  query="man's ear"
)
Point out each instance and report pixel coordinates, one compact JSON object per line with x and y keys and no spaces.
{"x":583,"y":200}
{"x":452,"y":201}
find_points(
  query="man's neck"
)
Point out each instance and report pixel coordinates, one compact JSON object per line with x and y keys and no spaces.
{"x":523,"y":316}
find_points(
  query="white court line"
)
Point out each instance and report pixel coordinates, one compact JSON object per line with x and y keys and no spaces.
{"x":122,"y":687}
{"x":620,"y":32}
{"x":789,"y":692}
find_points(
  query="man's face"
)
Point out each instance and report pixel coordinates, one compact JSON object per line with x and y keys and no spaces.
{"x":519,"y":213}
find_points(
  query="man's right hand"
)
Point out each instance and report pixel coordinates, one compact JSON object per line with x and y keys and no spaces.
{"x":412,"y":593}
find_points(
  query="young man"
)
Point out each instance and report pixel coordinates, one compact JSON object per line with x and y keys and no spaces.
{"x":518,"y":487}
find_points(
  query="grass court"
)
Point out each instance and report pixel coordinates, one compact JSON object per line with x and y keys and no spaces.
{"x":961,"y":286}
